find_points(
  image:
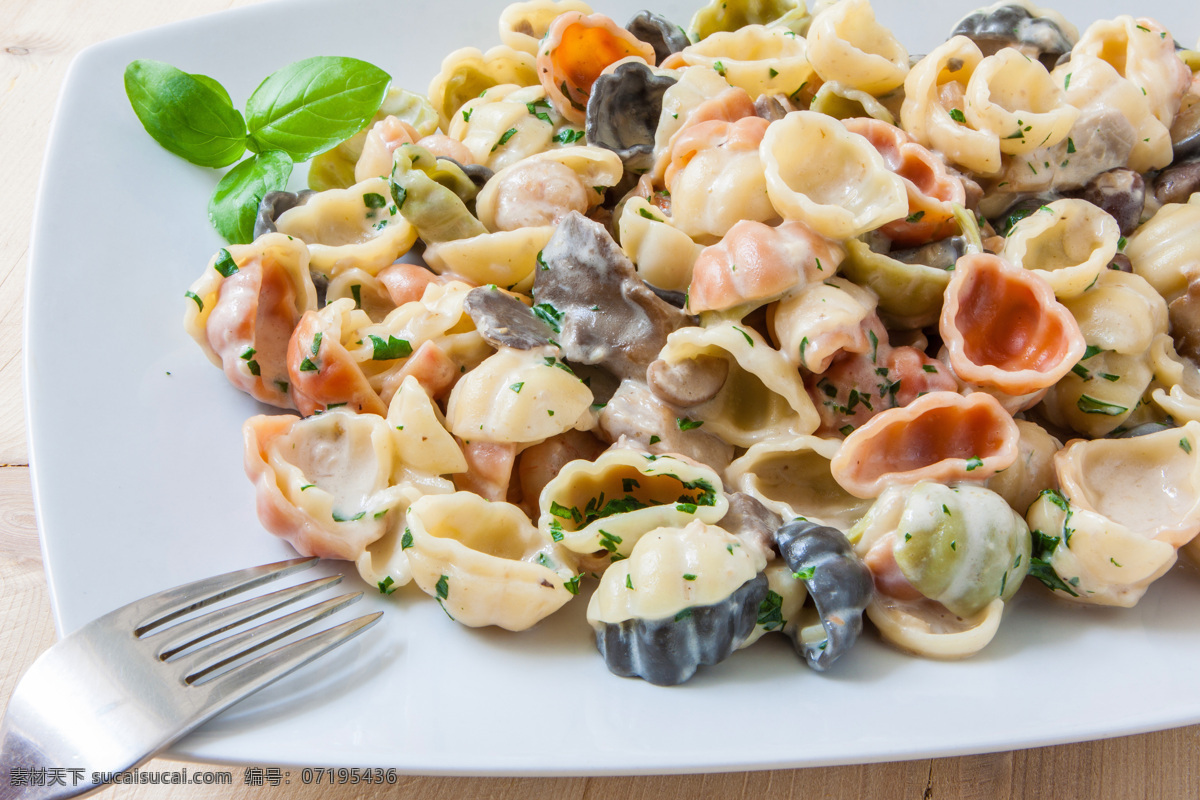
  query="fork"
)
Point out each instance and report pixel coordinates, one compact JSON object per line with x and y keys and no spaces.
{"x":122,"y":687}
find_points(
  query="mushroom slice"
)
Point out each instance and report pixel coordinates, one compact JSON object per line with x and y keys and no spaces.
{"x":327,"y":484}
{"x":756,"y":263}
{"x":1068,"y":242}
{"x":1084,"y":556}
{"x":932,"y":189}
{"x":1121,"y":192}
{"x":467,"y":73}
{"x":518,"y":396}
{"x":684,"y":597}
{"x":485,"y":563}
{"x":523,"y":24}
{"x":608,"y":316}
{"x":577,"y":48}
{"x":504,"y":321}
{"x":609,"y":503}
{"x":846,"y":44}
{"x":838,"y":583}
{"x":659,"y":32}
{"x":275,"y":203}
{"x":762,"y":398}
{"x":1041,"y":33}
{"x":1004,"y":329}
{"x":847,"y":193}
{"x":359,"y":227}
{"x":940,"y":436}
{"x":793,"y":478}
{"x":752,"y":522}
{"x":243,"y":309}
{"x":623,"y":112}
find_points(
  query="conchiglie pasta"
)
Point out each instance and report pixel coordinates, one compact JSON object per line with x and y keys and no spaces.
{"x":467,"y":73}
{"x":522,"y":25}
{"x":663,"y":254}
{"x":577,"y":48}
{"x":846,"y":44}
{"x":792,"y":478}
{"x":762,"y":396}
{"x":1014,"y":97}
{"x":716,"y":178}
{"x":755,"y":58}
{"x":243,"y":309}
{"x":485,"y":563}
{"x":1069,"y":242}
{"x":518,"y":396}
{"x":1143,"y":53}
{"x":696,"y":85}
{"x":504,"y":258}
{"x":821,"y":320}
{"x":605,"y":506}
{"x":521,"y":116}
{"x":1165,"y":245}
{"x":543,"y":188}
{"x":355,"y":228}
{"x":846,"y":192}
{"x":934,"y":100}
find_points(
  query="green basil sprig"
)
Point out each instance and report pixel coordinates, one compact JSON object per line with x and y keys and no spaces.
{"x":297,"y":112}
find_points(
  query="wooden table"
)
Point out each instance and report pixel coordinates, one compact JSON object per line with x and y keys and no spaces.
{"x":38,"y":39}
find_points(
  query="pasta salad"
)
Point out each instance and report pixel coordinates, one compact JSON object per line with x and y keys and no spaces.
{"x":758,"y":325}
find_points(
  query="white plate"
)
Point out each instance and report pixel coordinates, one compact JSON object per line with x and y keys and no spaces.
{"x":136,"y":453}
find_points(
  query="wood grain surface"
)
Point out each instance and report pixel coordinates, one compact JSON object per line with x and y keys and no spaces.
{"x":38,"y":38}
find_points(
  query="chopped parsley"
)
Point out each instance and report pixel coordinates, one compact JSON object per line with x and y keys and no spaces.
{"x":225,"y":263}
{"x":686,"y":424}
{"x":392,"y":349}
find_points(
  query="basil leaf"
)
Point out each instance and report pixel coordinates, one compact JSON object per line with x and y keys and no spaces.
{"x":186,"y":114}
{"x":234,"y":204}
{"x":308,"y":107}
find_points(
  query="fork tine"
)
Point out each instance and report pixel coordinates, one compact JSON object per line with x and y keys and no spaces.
{"x":159,"y":609}
{"x":248,"y":678}
{"x":202,"y":662}
{"x":185,"y":634}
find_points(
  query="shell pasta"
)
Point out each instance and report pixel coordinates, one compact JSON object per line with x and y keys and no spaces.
{"x":746,"y":324}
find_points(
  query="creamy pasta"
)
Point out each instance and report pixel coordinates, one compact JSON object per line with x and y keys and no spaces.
{"x":745,"y":324}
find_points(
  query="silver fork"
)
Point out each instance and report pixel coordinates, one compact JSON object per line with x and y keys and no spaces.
{"x":122,"y":687}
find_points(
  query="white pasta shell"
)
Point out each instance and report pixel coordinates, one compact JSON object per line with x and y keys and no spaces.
{"x":504,"y":258}
{"x":663,"y":254}
{"x":595,"y":168}
{"x":844,"y":193}
{"x":756,"y":58}
{"x":792,"y":477}
{"x":345,"y":229}
{"x":575,"y":505}
{"x":933,"y":632}
{"x":1014,"y":97}
{"x":1068,"y":242}
{"x":518,"y":396}
{"x":763,"y":397}
{"x":1165,"y":244}
{"x":846,"y":44}
{"x":522,"y":25}
{"x":484,"y":562}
